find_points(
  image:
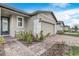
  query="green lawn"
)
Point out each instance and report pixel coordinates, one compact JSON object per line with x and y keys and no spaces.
{"x":75,"y":51}
{"x":71,"y":33}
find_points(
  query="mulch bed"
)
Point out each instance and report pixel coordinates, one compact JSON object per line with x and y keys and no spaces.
{"x":2,"y":52}
{"x":58,"y":49}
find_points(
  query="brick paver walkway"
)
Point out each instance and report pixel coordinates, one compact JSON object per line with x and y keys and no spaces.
{"x":16,"y":48}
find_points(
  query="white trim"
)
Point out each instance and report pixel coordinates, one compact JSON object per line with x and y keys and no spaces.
{"x":22,"y":22}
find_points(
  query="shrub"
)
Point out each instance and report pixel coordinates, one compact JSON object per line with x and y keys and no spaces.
{"x":25,"y":36}
{"x":1,"y":40}
{"x":48,"y":34}
{"x":29,"y":38}
{"x":36,"y":38}
{"x":42,"y":36}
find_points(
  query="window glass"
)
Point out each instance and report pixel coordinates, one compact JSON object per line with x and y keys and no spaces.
{"x":20,"y":22}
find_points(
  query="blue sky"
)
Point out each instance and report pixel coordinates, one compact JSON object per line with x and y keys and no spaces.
{"x":67,"y":12}
{"x":44,"y":6}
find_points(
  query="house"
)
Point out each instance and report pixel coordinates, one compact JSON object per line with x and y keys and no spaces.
{"x":13,"y":20}
{"x":67,"y":28}
{"x":60,"y":26}
{"x":43,"y":20}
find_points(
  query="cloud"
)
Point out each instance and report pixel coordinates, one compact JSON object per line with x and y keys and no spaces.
{"x":61,"y":5}
{"x":70,"y":17}
{"x":73,"y":22}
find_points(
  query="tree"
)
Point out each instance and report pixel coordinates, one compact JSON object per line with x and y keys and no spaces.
{"x":76,"y":28}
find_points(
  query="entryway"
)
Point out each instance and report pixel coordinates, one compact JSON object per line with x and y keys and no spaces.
{"x":5,"y":25}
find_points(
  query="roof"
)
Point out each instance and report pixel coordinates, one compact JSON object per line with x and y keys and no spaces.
{"x":25,"y":13}
{"x":66,"y":26}
{"x":13,"y":9}
{"x":60,"y":22}
{"x":40,"y":11}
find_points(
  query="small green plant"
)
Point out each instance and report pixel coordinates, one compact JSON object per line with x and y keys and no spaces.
{"x":29,"y":38}
{"x":48,"y":34}
{"x":21,"y":35}
{"x":1,"y":40}
{"x":25,"y":36}
{"x":36,"y":38}
{"x":41,"y":36}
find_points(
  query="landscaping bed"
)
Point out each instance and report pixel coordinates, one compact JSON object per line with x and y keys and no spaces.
{"x":2,"y":52}
{"x":62,"y":49}
{"x":28,"y":38}
{"x":58,"y":49}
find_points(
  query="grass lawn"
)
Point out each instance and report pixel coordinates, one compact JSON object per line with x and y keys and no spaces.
{"x":72,"y":34}
{"x":75,"y":51}
{"x":76,"y":34}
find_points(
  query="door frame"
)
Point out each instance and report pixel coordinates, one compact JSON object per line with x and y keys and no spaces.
{"x":8,"y":25}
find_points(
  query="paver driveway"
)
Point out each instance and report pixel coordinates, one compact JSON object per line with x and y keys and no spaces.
{"x":70,"y":40}
{"x":16,"y":48}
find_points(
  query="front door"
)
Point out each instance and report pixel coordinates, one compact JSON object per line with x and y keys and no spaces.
{"x":4,"y":25}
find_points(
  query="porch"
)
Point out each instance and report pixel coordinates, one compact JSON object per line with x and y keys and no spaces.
{"x":11,"y":21}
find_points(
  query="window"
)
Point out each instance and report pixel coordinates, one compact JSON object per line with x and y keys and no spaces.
{"x":20,"y":22}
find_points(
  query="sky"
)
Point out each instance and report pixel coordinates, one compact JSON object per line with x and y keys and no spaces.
{"x":66,"y":12}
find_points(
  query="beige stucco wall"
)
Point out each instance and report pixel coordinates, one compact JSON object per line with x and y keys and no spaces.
{"x":47,"y":17}
{"x":47,"y":28}
{"x":13,"y":25}
{"x":29,"y":24}
{"x":60,"y":28}
{"x":0,"y":20}
{"x":66,"y":28}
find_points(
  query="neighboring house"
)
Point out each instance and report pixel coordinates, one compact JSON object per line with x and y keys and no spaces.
{"x":13,"y":20}
{"x":72,"y":29}
{"x":60,"y":26}
{"x":67,"y":28}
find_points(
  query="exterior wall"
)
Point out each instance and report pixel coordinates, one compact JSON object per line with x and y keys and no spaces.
{"x":0,"y":20}
{"x":29,"y":24}
{"x":47,"y":17}
{"x":60,"y":28}
{"x":66,"y":28}
{"x":47,"y":28}
{"x":37,"y":26}
{"x":50,"y":28}
{"x":13,"y":25}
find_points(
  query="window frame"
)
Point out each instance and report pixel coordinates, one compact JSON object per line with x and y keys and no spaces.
{"x":18,"y":21}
